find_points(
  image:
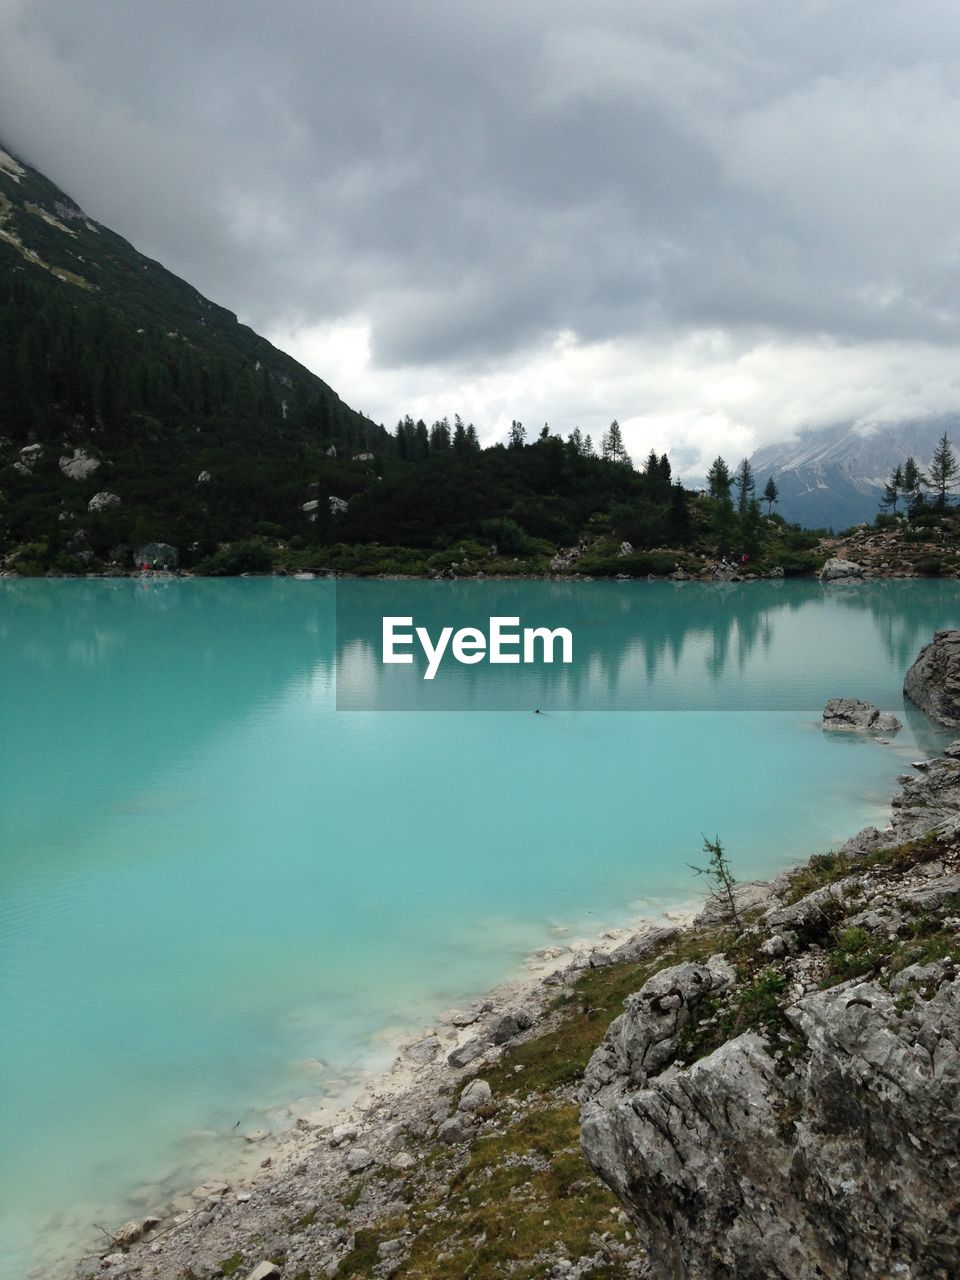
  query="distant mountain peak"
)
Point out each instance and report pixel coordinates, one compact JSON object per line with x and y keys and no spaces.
{"x":834,"y":477}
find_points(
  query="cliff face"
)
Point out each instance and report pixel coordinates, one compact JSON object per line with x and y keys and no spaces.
{"x":933,"y":682}
{"x":791,"y":1107}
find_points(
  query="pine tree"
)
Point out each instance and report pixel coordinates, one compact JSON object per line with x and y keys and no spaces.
{"x":575,"y":441}
{"x":719,"y":480}
{"x":771,"y":495}
{"x":943,"y":471}
{"x":678,"y":517}
{"x":745,"y":486}
{"x":612,"y":448}
{"x":440,"y":437}
{"x":893,"y":490}
{"x":914,"y":483}
{"x":518,"y":435}
{"x":750,"y":528}
{"x":718,"y":872}
{"x":459,"y":436}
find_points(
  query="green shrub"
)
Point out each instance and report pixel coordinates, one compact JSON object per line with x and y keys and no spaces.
{"x":795,"y":563}
{"x":607,"y":564}
{"x":510,"y":538}
{"x":235,"y":558}
{"x":931,"y":566}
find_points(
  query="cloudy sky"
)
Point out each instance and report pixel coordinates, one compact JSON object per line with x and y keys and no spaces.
{"x":717,"y":220}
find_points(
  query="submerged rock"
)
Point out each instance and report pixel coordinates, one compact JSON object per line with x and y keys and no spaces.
{"x":853,"y":715}
{"x":933,"y":682}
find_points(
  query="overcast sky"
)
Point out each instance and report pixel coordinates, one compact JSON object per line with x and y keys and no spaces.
{"x":716,"y":220}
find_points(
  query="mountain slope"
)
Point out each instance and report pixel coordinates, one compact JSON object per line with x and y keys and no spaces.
{"x":107,"y":357}
{"x":835,"y":477}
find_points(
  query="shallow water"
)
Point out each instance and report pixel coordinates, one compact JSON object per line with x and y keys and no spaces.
{"x":216,"y":890}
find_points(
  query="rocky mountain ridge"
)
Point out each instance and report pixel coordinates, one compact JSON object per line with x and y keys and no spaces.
{"x":835,"y":476}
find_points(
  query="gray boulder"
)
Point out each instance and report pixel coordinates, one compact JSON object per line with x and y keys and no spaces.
{"x":265,"y":1271}
{"x":466,"y":1053}
{"x":933,"y":682}
{"x":477,"y":1094}
{"x":423,"y":1051}
{"x":357,"y":1159}
{"x":853,"y":715}
{"x":103,"y":501}
{"x":161,"y":555}
{"x":79,"y":465}
{"x":456,"y":1129}
{"x":836,"y":570}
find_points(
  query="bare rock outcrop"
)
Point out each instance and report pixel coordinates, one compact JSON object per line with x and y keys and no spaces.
{"x":792,"y":1111}
{"x":841,"y":1164}
{"x":933,"y":682}
{"x":78,"y":465}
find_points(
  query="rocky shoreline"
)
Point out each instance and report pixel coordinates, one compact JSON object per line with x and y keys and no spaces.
{"x":433,"y":1094}
{"x":778,"y":1099}
{"x":863,"y":554}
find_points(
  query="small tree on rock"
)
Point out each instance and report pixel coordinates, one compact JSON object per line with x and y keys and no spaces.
{"x":771,"y":495}
{"x":718,"y":872}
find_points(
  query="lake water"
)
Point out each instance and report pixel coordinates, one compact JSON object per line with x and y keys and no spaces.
{"x":218,"y":892}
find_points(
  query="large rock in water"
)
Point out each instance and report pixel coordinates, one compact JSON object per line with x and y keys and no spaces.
{"x":841,"y":571}
{"x":840,"y":1161}
{"x":933,"y":682}
{"x":853,"y":715}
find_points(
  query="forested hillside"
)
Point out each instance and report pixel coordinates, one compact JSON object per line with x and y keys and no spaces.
{"x":135,"y":411}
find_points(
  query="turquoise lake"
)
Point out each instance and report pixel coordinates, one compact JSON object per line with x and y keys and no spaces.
{"x":220,"y":895}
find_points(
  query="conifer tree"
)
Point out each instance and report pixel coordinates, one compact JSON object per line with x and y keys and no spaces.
{"x":719,"y":479}
{"x":745,"y":486}
{"x":771,"y":495}
{"x":893,"y":490}
{"x":943,"y":471}
{"x":914,"y":483}
{"x":612,"y":448}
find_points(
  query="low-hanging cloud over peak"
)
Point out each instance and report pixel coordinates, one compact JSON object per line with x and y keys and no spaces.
{"x":481,"y":190}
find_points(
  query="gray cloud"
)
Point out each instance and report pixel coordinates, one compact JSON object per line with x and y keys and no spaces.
{"x":474,"y":179}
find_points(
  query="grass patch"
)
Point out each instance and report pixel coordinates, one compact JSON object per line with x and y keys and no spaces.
{"x":230,"y":1266}
{"x":560,"y":1056}
{"x":522,"y":1192}
{"x":828,"y":868}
